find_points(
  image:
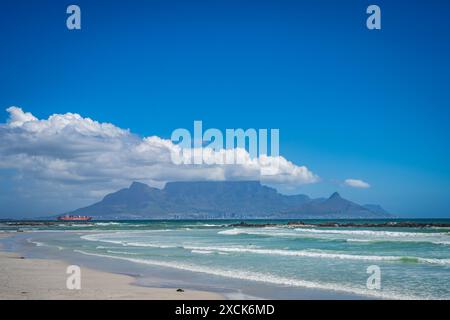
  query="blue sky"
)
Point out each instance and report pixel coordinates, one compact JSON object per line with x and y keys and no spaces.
{"x":349,"y":102}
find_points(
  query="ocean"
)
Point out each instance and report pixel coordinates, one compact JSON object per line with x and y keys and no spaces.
{"x":414,"y":263}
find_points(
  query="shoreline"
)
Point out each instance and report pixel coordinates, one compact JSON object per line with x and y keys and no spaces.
{"x":23,"y":278}
{"x":158,"y":283}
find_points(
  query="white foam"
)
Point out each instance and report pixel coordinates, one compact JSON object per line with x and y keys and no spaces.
{"x":150,"y":245}
{"x":204,"y":225}
{"x":321,"y":254}
{"x":359,"y":240}
{"x":340,"y":235}
{"x":37,"y":243}
{"x":263,"y":232}
{"x":280,"y":252}
{"x":231,"y":232}
{"x":41,"y":244}
{"x":121,"y":252}
{"x":201,"y":251}
{"x":264,"y":277}
{"x":98,"y":237}
{"x":371,"y":232}
{"x":80,"y":225}
{"x":444,"y":243}
{"x":107,"y":223}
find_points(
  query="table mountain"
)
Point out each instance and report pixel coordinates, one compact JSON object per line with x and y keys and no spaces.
{"x":221,"y":199}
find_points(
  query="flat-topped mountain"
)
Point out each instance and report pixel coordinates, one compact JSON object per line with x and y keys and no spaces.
{"x":221,"y":199}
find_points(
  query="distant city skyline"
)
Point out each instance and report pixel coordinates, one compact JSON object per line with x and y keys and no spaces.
{"x":362,"y":112}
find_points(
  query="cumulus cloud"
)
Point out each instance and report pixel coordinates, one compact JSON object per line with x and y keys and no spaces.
{"x":84,"y":156}
{"x":356,"y":183}
{"x":17,"y":117}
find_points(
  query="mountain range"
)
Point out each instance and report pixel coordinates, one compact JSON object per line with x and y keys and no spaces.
{"x":221,"y":199}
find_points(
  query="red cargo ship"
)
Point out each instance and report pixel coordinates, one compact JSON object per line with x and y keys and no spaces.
{"x":74,"y":218}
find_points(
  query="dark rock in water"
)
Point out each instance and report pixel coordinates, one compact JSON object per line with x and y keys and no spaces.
{"x":253,"y":225}
{"x":25,"y":223}
{"x":180,"y":290}
{"x":390,"y":224}
{"x":295,"y":223}
{"x":299,"y":224}
{"x":31,"y":223}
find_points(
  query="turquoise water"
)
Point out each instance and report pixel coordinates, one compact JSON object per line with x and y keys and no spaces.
{"x":414,"y":262}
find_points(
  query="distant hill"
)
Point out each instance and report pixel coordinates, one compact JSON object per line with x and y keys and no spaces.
{"x":376,"y":208}
{"x":337,"y":207}
{"x":223,"y":199}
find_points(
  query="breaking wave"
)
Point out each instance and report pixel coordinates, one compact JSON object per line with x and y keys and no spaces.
{"x":322,"y":254}
{"x":367,"y":236}
{"x":279,"y":252}
{"x":262,"y":277}
{"x":98,"y":237}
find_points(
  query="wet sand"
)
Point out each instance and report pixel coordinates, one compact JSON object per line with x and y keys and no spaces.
{"x":43,"y":279}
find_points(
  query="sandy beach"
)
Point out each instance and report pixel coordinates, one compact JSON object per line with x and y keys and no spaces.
{"x":209,"y":260}
{"x":43,"y":279}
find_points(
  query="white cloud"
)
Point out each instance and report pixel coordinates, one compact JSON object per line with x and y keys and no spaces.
{"x":17,"y":117}
{"x":84,"y":157}
{"x":355,"y":183}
